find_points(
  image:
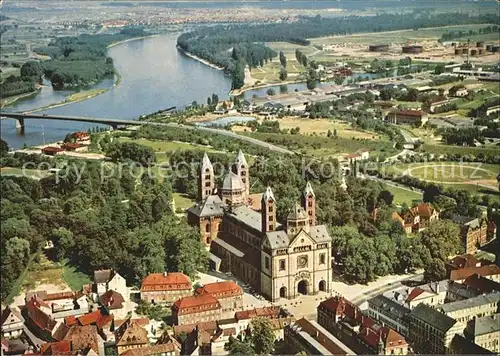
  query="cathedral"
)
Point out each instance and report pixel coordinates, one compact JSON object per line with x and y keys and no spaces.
{"x":279,"y":260}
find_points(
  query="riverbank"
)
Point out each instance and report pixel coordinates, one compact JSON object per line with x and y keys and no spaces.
{"x":73,"y":98}
{"x":238,"y":92}
{"x":201,"y":60}
{"x":12,"y":99}
{"x":130,"y":39}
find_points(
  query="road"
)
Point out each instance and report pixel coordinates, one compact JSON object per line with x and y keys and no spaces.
{"x":118,"y":122}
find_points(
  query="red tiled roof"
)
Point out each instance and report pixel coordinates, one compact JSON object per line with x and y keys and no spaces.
{"x":425,"y":209}
{"x":464,"y":261}
{"x":38,"y":317}
{"x":264,"y":312}
{"x":138,"y":321}
{"x":83,"y":337}
{"x":96,"y":317}
{"x":61,"y":295}
{"x":72,"y":145}
{"x":413,"y":294}
{"x":341,"y":307}
{"x":160,"y":349}
{"x":61,"y":332}
{"x":194,"y":304}
{"x":112,"y":300}
{"x":209,"y":326}
{"x":130,"y":333}
{"x":166,"y":281}
{"x":482,"y":284}
{"x":52,"y":149}
{"x":56,"y":348}
{"x":352,"y":155}
{"x":71,"y":320}
{"x":488,"y":270}
{"x":220,"y":289}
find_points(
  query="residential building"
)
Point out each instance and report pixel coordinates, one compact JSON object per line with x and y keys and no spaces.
{"x":485,"y":332}
{"x":307,"y":336}
{"x":244,"y":318}
{"x":481,"y":284}
{"x":165,"y":287}
{"x":460,"y":92}
{"x":130,"y":335}
{"x":358,"y":331}
{"x":462,"y":261}
{"x":193,"y":309}
{"x":42,"y":324}
{"x":228,"y":293}
{"x":52,"y":150}
{"x":169,"y":349}
{"x":489,"y":271}
{"x":418,"y":218}
{"x":467,"y":309}
{"x":85,"y":338}
{"x":433,"y":294}
{"x":109,"y":279}
{"x":113,"y":301}
{"x":60,"y":305}
{"x":390,"y":309}
{"x":431,"y":331}
{"x":461,"y":346}
{"x":278,"y":261}
{"x":474,"y":232}
{"x":412,"y":117}
{"x":12,"y":322}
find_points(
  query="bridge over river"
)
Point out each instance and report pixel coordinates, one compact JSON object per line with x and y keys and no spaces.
{"x":116,"y":123}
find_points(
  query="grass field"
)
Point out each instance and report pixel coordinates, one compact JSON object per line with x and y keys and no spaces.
{"x":321,"y":146}
{"x":182,"y":201}
{"x":452,"y":173}
{"x":320,"y":127}
{"x":432,"y":33}
{"x":402,"y":195}
{"x":163,"y":148}
{"x":49,"y":272}
{"x":447,"y":149}
{"x":32,"y":173}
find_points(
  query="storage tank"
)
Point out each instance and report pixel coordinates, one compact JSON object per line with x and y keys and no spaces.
{"x":458,"y":51}
{"x":473,"y":52}
{"x":495,"y":49}
{"x":465,"y":50}
{"x":480,"y":51}
{"x":489,"y":47}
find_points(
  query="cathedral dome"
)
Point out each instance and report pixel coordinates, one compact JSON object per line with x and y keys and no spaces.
{"x":232,"y":182}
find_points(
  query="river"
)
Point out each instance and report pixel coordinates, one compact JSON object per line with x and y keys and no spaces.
{"x":155,"y":76}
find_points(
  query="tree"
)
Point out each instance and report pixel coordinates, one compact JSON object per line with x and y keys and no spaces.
{"x":339,"y":80}
{"x":270,"y":92}
{"x":31,"y":69}
{"x":311,"y":79}
{"x":238,"y":75}
{"x":282,"y":59}
{"x":386,"y":196}
{"x":442,"y":239}
{"x":283,"y":74}
{"x":435,"y":270}
{"x":439,"y":69}
{"x":63,"y":240}
{"x":160,"y":206}
{"x":4,"y":147}
{"x":262,"y":336}
{"x":209,"y":101}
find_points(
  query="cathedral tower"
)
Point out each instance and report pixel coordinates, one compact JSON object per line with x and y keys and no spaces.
{"x":268,"y":211}
{"x":206,"y":184}
{"x":241,"y":169}
{"x":309,"y":203}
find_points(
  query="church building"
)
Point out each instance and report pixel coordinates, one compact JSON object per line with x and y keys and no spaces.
{"x":279,"y":260}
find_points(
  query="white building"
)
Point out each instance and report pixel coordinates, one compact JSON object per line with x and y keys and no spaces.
{"x":108,"y":279}
{"x":12,"y":323}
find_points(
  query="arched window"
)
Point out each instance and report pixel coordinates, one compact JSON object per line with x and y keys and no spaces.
{"x":207,"y":228}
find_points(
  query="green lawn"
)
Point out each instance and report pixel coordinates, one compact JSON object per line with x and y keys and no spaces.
{"x":32,"y":173}
{"x":463,"y":150}
{"x":402,"y":195}
{"x":73,"y":278}
{"x":182,"y":201}
{"x":452,"y":172}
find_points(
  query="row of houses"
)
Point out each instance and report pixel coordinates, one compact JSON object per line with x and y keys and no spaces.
{"x":431,"y":315}
{"x":80,"y":142}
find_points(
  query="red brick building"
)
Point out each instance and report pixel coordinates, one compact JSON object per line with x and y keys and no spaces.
{"x":165,"y":287}
{"x":417,"y":218}
{"x":228,"y":293}
{"x":195,"y":309}
{"x":474,"y":232}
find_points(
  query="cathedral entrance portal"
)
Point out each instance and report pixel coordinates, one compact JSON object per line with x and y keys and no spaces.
{"x":322,"y":286}
{"x":303,"y":287}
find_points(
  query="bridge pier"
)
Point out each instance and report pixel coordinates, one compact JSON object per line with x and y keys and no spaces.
{"x":20,"y":126}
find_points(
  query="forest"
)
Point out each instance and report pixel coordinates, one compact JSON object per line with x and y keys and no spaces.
{"x":30,"y":75}
{"x":96,"y":218}
{"x":82,"y":60}
{"x":213,"y":43}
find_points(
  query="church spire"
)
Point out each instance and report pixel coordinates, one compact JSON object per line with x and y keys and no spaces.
{"x":268,"y":211}
{"x":206,"y":179}
{"x":241,"y":169}
{"x":309,"y":203}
